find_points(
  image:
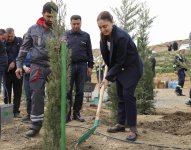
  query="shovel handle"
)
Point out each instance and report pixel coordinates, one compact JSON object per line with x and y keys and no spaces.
{"x":101,"y":95}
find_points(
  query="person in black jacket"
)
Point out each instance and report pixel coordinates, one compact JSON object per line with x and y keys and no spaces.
{"x":13,"y":44}
{"x":3,"y":57}
{"x":175,"y":46}
{"x":180,"y":69}
{"x":125,"y":67}
{"x":79,"y":43}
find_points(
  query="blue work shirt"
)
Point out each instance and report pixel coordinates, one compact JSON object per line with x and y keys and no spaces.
{"x":80,"y":45}
{"x":27,"y":61}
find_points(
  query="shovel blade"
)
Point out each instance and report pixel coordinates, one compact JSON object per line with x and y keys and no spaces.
{"x":88,"y":133}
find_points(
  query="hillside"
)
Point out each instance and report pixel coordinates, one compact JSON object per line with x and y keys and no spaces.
{"x":158,"y":47}
{"x":163,"y":46}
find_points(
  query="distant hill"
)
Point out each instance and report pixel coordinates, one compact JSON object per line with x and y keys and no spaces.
{"x":158,"y":47}
{"x":163,"y":46}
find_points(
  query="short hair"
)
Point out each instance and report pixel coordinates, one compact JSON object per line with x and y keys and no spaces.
{"x":75,"y":17}
{"x":105,"y":15}
{"x":2,"y":31}
{"x":10,"y":30}
{"x":49,"y":6}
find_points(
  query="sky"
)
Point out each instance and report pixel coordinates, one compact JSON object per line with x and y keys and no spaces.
{"x":172,"y":20}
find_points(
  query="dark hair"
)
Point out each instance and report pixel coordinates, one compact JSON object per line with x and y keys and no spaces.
{"x":10,"y":30}
{"x":49,"y":6}
{"x":2,"y":31}
{"x":75,"y":17}
{"x":105,"y":15}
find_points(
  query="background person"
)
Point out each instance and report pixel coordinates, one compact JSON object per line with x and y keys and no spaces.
{"x":180,"y":69}
{"x":79,"y":43}
{"x":12,"y":44}
{"x":3,"y":57}
{"x":175,"y":46}
{"x":26,"y":79}
{"x":125,"y":67}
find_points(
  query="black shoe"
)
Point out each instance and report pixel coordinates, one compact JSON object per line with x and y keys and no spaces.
{"x":179,"y":94}
{"x":17,"y":115}
{"x":78,"y":118}
{"x":68,"y":119}
{"x":132,"y":136}
{"x":188,"y":103}
{"x":116,"y":128}
{"x":26,"y":118}
{"x":32,"y":133}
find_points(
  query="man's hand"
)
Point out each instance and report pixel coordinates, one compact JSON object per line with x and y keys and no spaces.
{"x":19,"y":73}
{"x":27,"y":69}
{"x":105,"y":83}
{"x":89,"y":71}
{"x":11,"y":66}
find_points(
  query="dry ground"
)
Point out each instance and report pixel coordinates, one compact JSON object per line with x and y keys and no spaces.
{"x":169,"y":128}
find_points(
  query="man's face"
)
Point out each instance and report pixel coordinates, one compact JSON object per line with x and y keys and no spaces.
{"x":48,"y":19}
{"x":76,"y":25}
{"x":10,"y":37}
{"x":4,"y":37}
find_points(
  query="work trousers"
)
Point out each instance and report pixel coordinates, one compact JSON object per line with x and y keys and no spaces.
{"x":38,"y":78}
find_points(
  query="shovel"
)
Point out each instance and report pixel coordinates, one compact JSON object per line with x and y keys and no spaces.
{"x":96,"y":122}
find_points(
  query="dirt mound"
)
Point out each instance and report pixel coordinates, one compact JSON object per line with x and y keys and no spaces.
{"x":177,"y":123}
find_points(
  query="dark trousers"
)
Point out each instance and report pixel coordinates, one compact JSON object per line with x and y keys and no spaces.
{"x":78,"y":78}
{"x":12,"y":82}
{"x":127,"y":110}
{"x":27,"y":92}
{"x":2,"y":73}
{"x":181,"y":79}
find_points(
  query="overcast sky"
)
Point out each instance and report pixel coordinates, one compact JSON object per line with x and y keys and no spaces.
{"x":172,"y":23}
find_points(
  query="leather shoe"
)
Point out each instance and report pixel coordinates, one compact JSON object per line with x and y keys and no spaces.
{"x":17,"y":115}
{"x":78,"y":118}
{"x":188,"y":102}
{"x":26,"y":119}
{"x":32,"y":133}
{"x":132,"y":136}
{"x":116,"y":128}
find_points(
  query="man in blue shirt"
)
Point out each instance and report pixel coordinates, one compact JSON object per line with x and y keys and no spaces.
{"x":79,"y":43}
{"x":26,"y":78}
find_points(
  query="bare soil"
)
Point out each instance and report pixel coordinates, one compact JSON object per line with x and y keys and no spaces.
{"x":169,"y":128}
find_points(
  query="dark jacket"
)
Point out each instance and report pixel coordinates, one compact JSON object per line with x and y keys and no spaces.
{"x":35,"y":41}
{"x":179,"y":62}
{"x":13,"y":49}
{"x":123,"y":61}
{"x":3,"y":57}
{"x":80,"y":45}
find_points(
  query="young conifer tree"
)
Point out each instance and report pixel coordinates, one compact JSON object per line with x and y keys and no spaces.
{"x":52,"y":123}
{"x":144,"y":90}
